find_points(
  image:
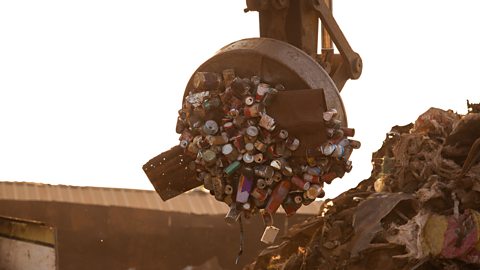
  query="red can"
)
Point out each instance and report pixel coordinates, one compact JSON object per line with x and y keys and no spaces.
{"x":230,"y":129}
{"x":314,"y":179}
{"x":349,"y":132}
{"x":278,"y":196}
{"x":259,"y":194}
{"x":239,"y":143}
{"x":301,"y":183}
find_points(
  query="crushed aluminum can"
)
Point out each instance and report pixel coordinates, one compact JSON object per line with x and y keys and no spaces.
{"x":292,"y":143}
{"x":267,"y":122}
{"x":253,"y":111}
{"x":263,"y":171}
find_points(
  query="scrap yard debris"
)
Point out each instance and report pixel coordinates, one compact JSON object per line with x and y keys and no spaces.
{"x":254,"y":145}
{"x":420,"y":208}
{"x":249,"y":159}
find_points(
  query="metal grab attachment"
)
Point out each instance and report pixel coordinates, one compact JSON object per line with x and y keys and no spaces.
{"x":296,"y":22}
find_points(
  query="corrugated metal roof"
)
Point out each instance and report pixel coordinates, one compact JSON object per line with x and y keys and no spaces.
{"x":193,"y":202}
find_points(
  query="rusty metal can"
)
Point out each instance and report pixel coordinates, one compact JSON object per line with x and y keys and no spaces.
{"x":210,"y":127}
{"x":260,"y":194}
{"x":252,"y":133}
{"x":269,"y":96}
{"x":247,"y":158}
{"x":292,"y":143}
{"x":329,"y":115}
{"x":230,"y":152}
{"x":262,"y":89}
{"x":263,"y":171}
{"x":217,"y":140}
{"x":183,"y":144}
{"x":249,"y":148}
{"x":249,"y":100}
{"x":260,"y":146}
{"x":277,"y":177}
{"x":278,"y":163}
{"x":355,"y":144}
{"x":253,"y":111}
{"x":313,"y":192}
{"x":290,"y":205}
{"x":238,"y":121}
{"x":211,"y":103}
{"x":283,"y":134}
{"x":239,"y":143}
{"x":207,"y":180}
{"x":209,"y":157}
{"x":258,"y":158}
{"x":301,"y":183}
{"x":228,"y":189}
{"x":207,"y":81}
{"x":267,"y":122}
{"x":261,"y":184}
{"x":192,"y":149}
{"x":349,"y":132}
{"x":278,"y":196}
{"x":314,"y":179}
{"x":287,"y":170}
{"x":240,"y":87}
{"x":230,"y":129}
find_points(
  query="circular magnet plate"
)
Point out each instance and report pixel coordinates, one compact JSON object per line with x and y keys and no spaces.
{"x":275,"y":61}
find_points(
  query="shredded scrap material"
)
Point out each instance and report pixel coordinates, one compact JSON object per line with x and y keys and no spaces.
{"x":420,"y":208}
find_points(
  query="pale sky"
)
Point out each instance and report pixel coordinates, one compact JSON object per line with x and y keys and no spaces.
{"x":89,"y":90}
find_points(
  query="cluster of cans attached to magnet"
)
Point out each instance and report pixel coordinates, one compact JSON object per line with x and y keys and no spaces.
{"x":244,"y":158}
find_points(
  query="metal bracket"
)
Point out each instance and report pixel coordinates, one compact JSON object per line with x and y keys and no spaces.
{"x":296,"y":22}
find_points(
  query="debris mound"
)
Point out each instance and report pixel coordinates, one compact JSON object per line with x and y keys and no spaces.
{"x":420,"y":208}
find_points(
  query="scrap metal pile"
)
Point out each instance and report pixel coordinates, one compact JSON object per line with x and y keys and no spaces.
{"x":245,"y":157}
{"x":420,"y":209}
